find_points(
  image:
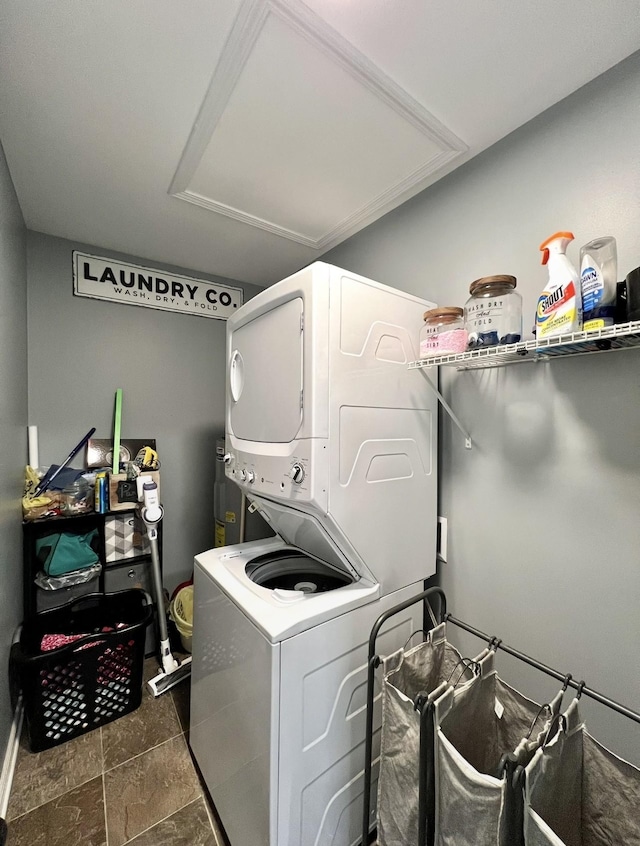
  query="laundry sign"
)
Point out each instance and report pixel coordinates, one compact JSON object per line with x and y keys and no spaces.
{"x":120,"y":282}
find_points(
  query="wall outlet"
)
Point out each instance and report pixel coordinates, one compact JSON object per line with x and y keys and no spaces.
{"x":441,"y":544}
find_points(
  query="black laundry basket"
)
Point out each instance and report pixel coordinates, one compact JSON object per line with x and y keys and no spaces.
{"x":82,"y":685}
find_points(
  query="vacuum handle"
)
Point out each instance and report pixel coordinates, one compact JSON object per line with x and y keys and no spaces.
{"x":157,"y":587}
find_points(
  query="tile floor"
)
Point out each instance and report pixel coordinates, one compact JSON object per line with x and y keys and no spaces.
{"x":131,"y":782}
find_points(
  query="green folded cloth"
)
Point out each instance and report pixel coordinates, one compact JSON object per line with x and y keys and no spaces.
{"x":63,"y":552}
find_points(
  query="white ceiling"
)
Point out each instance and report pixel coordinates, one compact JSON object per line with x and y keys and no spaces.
{"x":246,"y":137}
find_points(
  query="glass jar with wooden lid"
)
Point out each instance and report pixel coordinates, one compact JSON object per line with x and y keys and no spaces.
{"x":493,"y":312}
{"x":443,"y":332}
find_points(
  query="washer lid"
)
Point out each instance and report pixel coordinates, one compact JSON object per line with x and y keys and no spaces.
{"x":306,"y":532}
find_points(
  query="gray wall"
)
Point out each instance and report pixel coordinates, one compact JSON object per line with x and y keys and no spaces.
{"x":13,"y":422}
{"x":170,"y":367}
{"x":544,"y":535}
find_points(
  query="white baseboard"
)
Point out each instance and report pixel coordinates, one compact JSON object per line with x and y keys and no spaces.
{"x":10,"y":756}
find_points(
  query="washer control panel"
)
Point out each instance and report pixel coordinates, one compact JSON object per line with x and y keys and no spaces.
{"x":297,"y":473}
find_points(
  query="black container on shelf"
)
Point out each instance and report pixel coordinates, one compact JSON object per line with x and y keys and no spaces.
{"x":633,"y":294}
{"x":82,"y":685}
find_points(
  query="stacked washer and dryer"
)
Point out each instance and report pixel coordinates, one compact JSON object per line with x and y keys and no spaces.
{"x":333,"y":440}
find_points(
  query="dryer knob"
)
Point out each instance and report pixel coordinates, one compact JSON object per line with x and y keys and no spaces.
{"x":297,"y":473}
{"x":251,"y":477}
{"x":242,"y":475}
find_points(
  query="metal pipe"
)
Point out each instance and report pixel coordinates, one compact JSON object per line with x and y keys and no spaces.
{"x":243,"y":516}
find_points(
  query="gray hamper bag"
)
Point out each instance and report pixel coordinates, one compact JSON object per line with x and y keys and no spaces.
{"x":422,"y":669}
{"x":578,"y":793}
{"x":475,"y":726}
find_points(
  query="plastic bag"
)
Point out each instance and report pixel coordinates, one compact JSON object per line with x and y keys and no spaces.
{"x":75,"y":577}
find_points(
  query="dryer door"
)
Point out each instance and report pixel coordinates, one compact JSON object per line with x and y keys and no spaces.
{"x":264,"y":388}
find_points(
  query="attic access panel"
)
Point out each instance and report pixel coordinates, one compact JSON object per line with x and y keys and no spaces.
{"x":303,"y":136}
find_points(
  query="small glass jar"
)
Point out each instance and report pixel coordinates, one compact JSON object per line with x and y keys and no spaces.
{"x":77,"y":498}
{"x":443,"y":332}
{"x":493,"y":312}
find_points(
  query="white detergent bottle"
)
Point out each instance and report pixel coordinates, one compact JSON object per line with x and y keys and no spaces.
{"x":599,"y":282}
{"x":559,"y":309}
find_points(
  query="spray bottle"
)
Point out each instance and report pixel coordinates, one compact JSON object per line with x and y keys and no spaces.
{"x":559,"y":309}
{"x":599,"y":282}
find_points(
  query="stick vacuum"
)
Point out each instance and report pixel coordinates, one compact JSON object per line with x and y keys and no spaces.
{"x":172,"y":672}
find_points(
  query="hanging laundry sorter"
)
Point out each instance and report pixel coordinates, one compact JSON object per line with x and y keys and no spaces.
{"x":468,"y":760}
{"x":476,"y":723}
{"x":407,"y":674}
{"x":578,"y":793}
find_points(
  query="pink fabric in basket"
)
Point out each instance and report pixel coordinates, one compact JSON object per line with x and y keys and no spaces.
{"x":55,"y":641}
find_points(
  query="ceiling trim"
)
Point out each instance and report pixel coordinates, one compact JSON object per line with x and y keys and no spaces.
{"x":253,"y":220}
{"x":246,"y":30}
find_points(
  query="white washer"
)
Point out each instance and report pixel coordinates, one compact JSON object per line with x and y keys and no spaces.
{"x":333,"y":439}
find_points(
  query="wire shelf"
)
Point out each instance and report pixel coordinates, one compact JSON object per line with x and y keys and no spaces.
{"x":622,"y":336}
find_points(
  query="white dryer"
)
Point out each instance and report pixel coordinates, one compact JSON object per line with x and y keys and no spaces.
{"x":333,"y":439}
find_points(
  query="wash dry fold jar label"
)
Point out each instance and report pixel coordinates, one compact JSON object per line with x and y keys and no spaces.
{"x":493,"y":312}
{"x":443,"y":332}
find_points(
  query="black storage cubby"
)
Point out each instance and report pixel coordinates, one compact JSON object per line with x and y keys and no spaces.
{"x":114,"y":575}
{"x":33,"y":530}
